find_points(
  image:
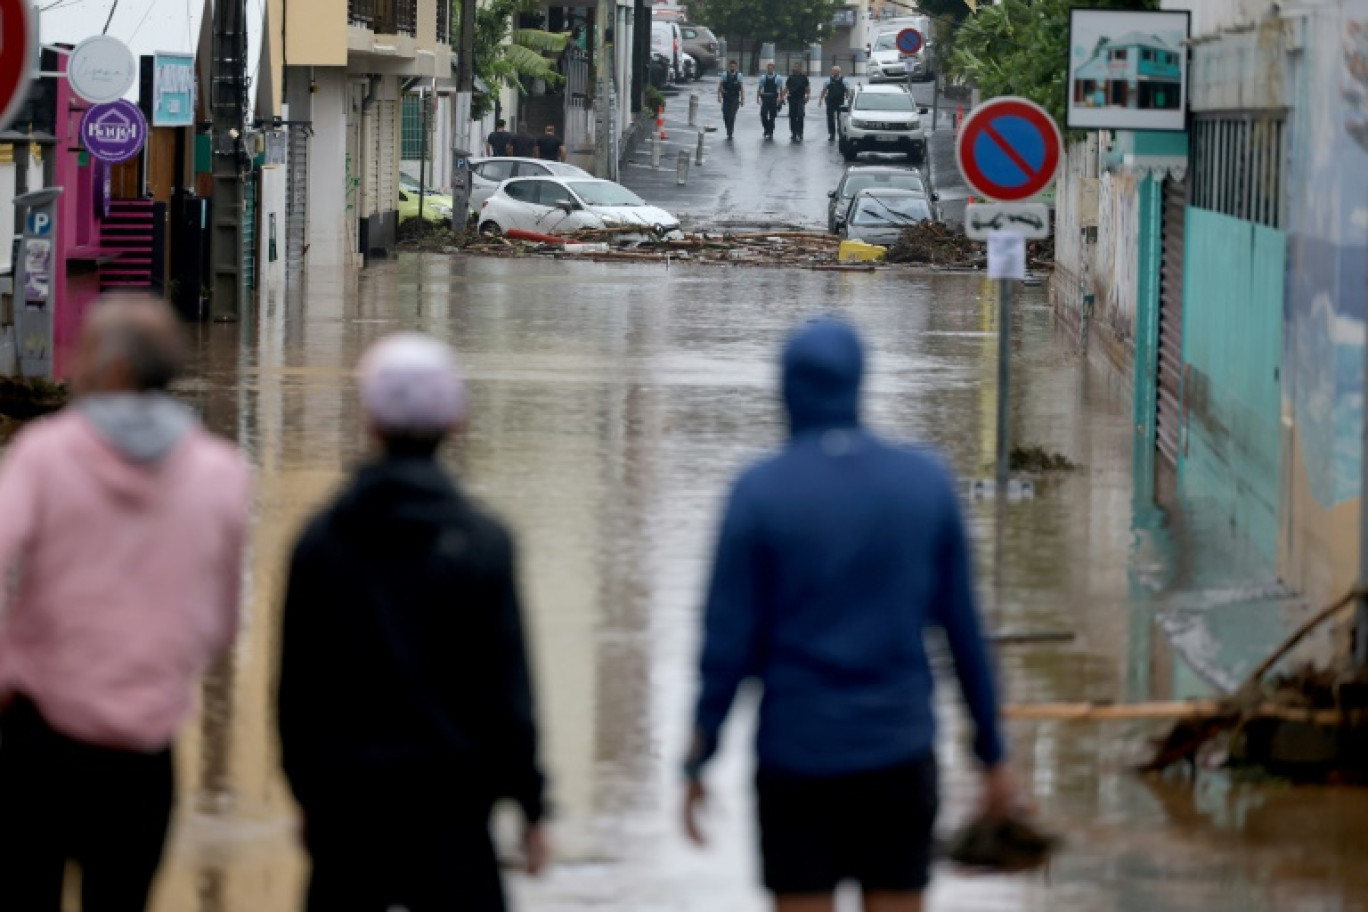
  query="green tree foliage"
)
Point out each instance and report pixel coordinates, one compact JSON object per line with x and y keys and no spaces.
{"x":505,"y":56}
{"x":788,"y":23}
{"x":1021,"y":47}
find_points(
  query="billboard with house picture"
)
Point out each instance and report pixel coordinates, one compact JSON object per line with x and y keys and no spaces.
{"x":1127,"y":70}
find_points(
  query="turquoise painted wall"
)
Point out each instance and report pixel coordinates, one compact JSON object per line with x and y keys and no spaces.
{"x":1233,"y":295}
{"x":1149,"y":260}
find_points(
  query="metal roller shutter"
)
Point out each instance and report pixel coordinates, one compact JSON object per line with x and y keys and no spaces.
{"x":1169,"y":417}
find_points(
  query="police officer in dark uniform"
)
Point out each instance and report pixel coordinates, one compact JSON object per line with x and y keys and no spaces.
{"x":767,"y":95}
{"x":732,"y":94}
{"x":796,"y":91}
{"x":834,"y":93}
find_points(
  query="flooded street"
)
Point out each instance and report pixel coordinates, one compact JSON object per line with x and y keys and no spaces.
{"x":610,"y":407}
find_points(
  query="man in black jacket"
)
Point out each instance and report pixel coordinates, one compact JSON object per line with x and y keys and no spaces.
{"x":405,"y":708}
{"x":796,"y":90}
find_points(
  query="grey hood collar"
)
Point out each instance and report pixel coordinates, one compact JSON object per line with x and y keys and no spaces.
{"x":143,"y":427}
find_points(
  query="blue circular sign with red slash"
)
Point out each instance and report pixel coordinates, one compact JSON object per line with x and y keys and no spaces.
{"x":909,"y":41}
{"x":1009,"y":149}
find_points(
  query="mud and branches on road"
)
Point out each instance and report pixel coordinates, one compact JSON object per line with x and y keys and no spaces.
{"x":1307,"y":724}
{"x":927,"y":244}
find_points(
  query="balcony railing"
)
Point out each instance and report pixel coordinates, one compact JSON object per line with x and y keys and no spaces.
{"x":385,"y":17}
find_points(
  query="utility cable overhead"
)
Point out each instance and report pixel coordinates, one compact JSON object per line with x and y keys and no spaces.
{"x":110,"y":18}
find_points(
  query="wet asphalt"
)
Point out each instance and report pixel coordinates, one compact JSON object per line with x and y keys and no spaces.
{"x":751,"y":182}
{"x":611,"y":404}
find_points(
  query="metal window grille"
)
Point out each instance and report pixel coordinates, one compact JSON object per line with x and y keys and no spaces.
{"x":406,"y":17}
{"x":361,"y":12}
{"x":444,"y":21}
{"x":411,"y":139}
{"x":1239,"y":166}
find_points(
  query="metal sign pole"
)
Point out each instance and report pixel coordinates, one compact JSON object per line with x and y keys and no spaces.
{"x":1004,"y":443}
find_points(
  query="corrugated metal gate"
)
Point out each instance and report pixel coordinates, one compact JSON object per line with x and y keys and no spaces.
{"x":387,"y":165}
{"x":249,"y":229}
{"x":1169,"y":410}
{"x":370,"y":143}
{"x":297,"y":197}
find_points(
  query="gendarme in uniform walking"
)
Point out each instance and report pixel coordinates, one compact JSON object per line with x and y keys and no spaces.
{"x":834,"y":94}
{"x":731,"y":92}
{"x":767,"y":94}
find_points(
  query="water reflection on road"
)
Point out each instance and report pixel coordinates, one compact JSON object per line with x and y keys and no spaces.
{"x":610,"y":406}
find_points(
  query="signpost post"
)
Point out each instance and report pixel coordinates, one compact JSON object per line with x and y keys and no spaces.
{"x":19,"y":30}
{"x":1008,"y":150}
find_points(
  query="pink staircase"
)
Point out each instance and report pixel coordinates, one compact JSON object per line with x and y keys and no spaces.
{"x":126,"y":237}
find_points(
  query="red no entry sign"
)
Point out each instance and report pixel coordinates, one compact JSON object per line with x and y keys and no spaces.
{"x":1009,"y":149}
{"x":19,"y":38}
{"x":909,"y":41}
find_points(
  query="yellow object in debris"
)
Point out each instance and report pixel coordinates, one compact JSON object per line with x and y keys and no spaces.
{"x":860,"y":252}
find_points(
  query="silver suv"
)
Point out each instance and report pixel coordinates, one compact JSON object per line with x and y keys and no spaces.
{"x":883,"y":118}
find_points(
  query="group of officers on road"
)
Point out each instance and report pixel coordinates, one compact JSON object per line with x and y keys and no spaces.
{"x":774,"y":91}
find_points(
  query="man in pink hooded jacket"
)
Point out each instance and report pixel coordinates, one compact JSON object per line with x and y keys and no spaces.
{"x":122,"y":524}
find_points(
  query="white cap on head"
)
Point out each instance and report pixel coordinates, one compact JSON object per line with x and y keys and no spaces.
{"x":411,"y":384}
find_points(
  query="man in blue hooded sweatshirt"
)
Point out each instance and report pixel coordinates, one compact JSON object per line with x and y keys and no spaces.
{"x":834,"y":555}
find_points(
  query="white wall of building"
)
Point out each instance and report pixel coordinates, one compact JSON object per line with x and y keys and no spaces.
{"x":1212,"y":16}
{"x":271,"y":205}
{"x":332,"y":203}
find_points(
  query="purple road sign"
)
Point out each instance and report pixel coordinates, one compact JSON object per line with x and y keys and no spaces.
{"x":114,"y":132}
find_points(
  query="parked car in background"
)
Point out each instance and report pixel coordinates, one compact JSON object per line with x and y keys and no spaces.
{"x":888,"y":64}
{"x":701,"y":44}
{"x":488,"y":173}
{"x":559,"y":205}
{"x":879,"y":216}
{"x":660,"y":72}
{"x":871,"y":177}
{"x":436,"y":205}
{"x":882,"y":118}
{"x":667,"y":39}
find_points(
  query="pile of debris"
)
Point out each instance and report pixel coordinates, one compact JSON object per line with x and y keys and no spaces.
{"x":432,"y":237}
{"x":926,"y":244}
{"x":1305,"y":725}
{"x":938,"y":244}
{"x":801,"y":249}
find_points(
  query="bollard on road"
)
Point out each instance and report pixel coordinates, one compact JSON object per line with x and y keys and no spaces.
{"x":698,"y":154}
{"x":682,"y":168}
{"x":693,"y":109}
{"x":655,"y":151}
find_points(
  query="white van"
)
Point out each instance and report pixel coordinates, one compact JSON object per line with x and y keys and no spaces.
{"x":668,"y":41}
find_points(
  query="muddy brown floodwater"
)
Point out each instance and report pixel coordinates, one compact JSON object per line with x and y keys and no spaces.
{"x":610,"y":407}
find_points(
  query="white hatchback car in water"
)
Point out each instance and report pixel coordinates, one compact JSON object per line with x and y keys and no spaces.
{"x":564,"y":205}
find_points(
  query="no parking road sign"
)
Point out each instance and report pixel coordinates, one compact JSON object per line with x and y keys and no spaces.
{"x":19,"y":38}
{"x":1009,"y":149}
{"x":910,"y":41}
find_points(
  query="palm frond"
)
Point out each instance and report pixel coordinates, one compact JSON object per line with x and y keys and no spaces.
{"x":541,"y":41}
{"x":529,"y":63}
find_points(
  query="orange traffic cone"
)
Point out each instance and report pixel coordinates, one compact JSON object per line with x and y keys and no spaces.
{"x":660,"y":120}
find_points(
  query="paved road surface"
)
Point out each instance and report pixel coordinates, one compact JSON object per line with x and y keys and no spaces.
{"x":754,"y":182}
